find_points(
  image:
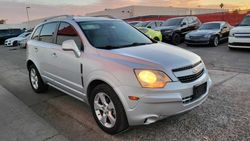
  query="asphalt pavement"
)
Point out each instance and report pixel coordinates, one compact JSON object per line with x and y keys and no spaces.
{"x":224,"y":116}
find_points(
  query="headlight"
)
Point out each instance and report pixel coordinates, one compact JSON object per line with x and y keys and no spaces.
{"x":187,"y":36}
{"x":152,"y":78}
{"x":231,"y":34}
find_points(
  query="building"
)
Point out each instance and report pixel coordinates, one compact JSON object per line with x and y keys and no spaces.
{"x":138,"y":11}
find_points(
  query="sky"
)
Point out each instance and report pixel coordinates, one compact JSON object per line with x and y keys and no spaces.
{"x":14,"y":10}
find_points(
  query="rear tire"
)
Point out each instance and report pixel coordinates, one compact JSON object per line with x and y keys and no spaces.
{"x":36,"y":81}
{"x":108,"y":110}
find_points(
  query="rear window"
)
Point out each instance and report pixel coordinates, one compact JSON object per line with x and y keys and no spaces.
{"x":47,"y":32}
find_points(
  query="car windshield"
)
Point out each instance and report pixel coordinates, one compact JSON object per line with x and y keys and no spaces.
{"x":142,"y":24}
{"x":245,"y":22}
{"x":113,"y":34}
{"x":173,"y":22}
{"x":210,"y":26}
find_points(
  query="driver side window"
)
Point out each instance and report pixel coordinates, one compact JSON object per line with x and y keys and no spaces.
{"x":67,"y":32}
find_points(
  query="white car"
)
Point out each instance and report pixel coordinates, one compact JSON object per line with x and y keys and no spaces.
{"x":23,"y":43}
{"x":126,"y":78}
{"x":14,"y":41}
{"x":240,"y":36}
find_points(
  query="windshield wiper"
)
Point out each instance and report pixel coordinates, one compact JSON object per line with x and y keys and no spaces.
{"x":135,"y":44}
{"x":109,"y":47}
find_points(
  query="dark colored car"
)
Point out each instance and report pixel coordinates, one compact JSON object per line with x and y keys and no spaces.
{"x":211,"y":33}
{"x":150,"y":24}
{"x":9,"y":33}
{"x":174,"y":30}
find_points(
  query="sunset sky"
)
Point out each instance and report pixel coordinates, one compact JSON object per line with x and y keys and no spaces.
{"x":14,"y":10}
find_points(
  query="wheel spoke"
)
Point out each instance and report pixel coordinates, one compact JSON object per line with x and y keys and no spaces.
{"x":111,"y":119}
{"x":98,"y":106}
{"x":103,"y":99}
{"x":103,"y":119}
{"x":111,"y":106}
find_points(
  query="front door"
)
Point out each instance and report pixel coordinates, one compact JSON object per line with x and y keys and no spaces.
{"x":66,"y":66}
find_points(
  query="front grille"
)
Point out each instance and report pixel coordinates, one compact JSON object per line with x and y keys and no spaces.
{"x":186,"y":67}
{"x":191,"y":78}
{"x":239,"y":44}
{"x":242,"y":35}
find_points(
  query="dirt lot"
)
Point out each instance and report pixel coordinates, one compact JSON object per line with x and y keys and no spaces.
{"x":224,"y":116}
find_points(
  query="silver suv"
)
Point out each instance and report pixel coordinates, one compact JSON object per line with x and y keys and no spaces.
{"x":125,"y":77}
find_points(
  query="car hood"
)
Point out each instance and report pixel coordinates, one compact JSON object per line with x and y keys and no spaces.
{"x":154,"y":55}
{"x":167,"y":28}
{"x":241,"y":29}
{"x":202,"y":32}
{"x":15,"y":39}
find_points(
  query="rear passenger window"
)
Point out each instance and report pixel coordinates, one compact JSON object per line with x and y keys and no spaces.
{"x":67,"y":32}
{"x":47,"y":32}
{"x":36,"y":33}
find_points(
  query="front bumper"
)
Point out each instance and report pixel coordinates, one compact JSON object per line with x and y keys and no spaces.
{"x":235,"y":42}
{"x":156,"y":104}
{"x":197,"y":42}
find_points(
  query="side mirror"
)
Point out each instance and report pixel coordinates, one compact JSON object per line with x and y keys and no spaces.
{"x":149,"y":27}
{"x":70,"y":45}
{"x":183,"y":24}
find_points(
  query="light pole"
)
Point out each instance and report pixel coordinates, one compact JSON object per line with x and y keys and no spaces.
{"x":28,"y":18}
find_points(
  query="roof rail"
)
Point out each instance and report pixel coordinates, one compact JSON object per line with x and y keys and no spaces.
{"x":59,"y":17}
{"x":106,"y":16}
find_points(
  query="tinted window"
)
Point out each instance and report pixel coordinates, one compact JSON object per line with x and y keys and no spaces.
{"x":47,"y":32}
{"x":158,"y":24}
{"x":142,"y":24}
{"x":67,"y":32}
{"x":152,"y":25}
{"x":210,"y":26}
{"x":36,"y":33}
{"x":173,"y":22}
{"x":109,"y":34}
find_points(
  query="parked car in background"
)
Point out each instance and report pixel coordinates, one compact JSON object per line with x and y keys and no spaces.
{"x":133,"y":23}
{"x":15,"y":40}
{"x":174,"y":30}
{"x":210,"y":33}
{"x":150,"y":24}
{"x":156,"y":35}
{"x":240,"y":35}
{"x":126,"y":78}
{"x":23,"y":43}
{"x":9,"y":33}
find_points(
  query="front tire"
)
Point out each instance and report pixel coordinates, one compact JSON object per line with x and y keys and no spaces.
{"x":215,"y":41}
{"x":108,"y":110}
{"x":36,"y":81}
{"x":176,"y":39}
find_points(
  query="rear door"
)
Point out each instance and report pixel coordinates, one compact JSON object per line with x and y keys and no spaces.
{"x":65,"y":67}
{"x":44,"y":48}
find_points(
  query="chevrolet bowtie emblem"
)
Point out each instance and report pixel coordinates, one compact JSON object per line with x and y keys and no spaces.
{"x":196,"y":70}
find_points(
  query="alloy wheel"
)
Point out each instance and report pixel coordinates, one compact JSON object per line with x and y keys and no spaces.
{"x":105,"y":110}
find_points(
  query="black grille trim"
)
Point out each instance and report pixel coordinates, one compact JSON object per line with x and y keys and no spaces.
{"x":186,"y":67}
{"x":191,"y":78}
{"x":239,"y":44}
